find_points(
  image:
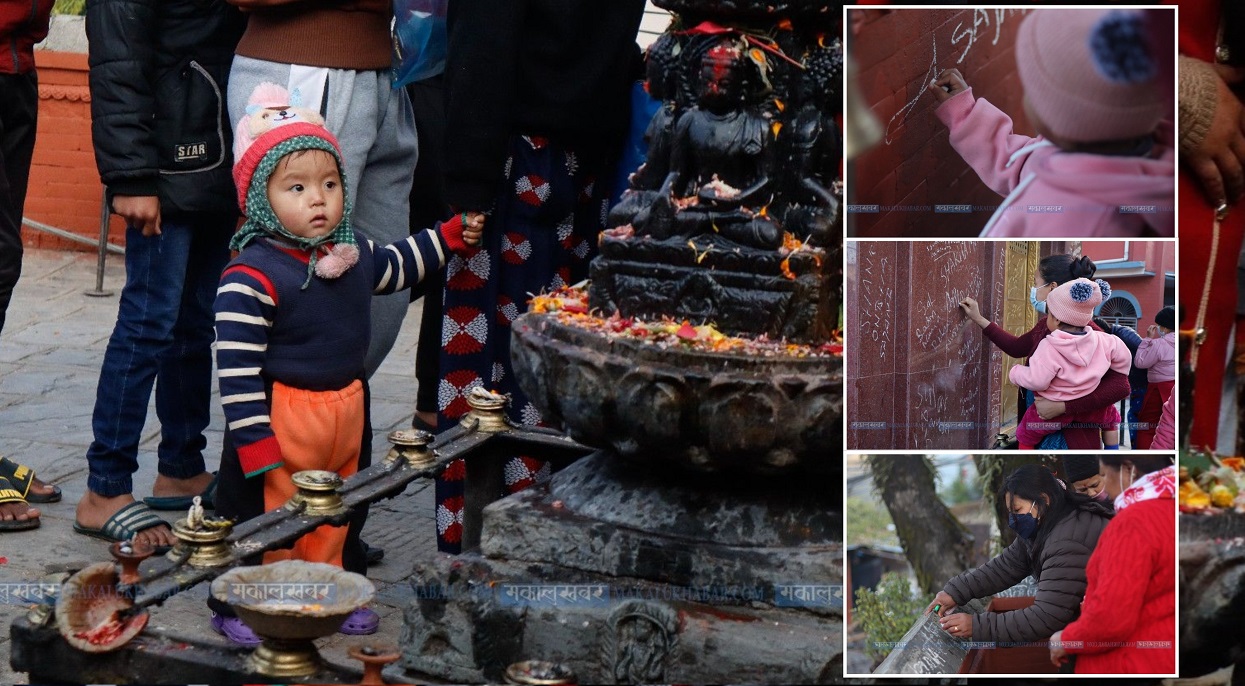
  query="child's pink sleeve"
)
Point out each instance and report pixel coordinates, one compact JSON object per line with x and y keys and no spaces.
{"x":1038,"y":375}
{"x":982,"y":134}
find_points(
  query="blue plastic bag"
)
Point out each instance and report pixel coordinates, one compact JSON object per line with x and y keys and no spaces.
{"x":419,"y":40}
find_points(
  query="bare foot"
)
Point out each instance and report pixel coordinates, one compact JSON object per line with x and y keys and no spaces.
{"x":94,"y":510}
{"x":167,"y":486}
{"x":18,"y":511}
{"x":38,"y":487}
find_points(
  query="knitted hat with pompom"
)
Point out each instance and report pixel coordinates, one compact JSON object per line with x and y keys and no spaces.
{"x":1090,"y":75}
{"x":255,"y":161}
{"x":1074,"y":302}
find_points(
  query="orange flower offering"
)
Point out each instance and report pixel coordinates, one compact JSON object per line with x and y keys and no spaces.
{"x":570,"y":306}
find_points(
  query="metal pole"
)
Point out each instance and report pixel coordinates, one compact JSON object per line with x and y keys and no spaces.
{"x":104,"y":213}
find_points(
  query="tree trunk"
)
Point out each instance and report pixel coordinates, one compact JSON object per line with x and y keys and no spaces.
{"x":993,"y":470}
{"x":937,"y":546}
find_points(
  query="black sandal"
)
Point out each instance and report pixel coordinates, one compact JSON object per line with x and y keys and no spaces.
{"x":22,"y":478}
{"x":8,"y":494}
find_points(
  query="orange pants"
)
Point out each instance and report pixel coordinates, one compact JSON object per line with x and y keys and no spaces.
{"x":316,"y":430}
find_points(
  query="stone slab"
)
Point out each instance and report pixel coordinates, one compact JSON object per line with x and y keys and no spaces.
{"x":467,"y":623}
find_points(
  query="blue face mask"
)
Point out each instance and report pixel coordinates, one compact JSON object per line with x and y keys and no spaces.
{"x":1039,"y":305}
{"x":1025,"y":525}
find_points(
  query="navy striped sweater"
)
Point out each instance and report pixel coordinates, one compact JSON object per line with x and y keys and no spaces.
{"x":268,"y":328}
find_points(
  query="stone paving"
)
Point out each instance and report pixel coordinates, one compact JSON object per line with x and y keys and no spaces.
{"x":50,"y":354}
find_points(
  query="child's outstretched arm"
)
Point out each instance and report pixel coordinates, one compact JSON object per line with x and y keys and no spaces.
{"x":981,"y":133}
{"x":403,"y":264}
{"x":246,"y":303}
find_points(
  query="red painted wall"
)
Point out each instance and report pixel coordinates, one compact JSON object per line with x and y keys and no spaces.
{"x":895,"y":59}
{"x":65,"y":191}
{"x":1159,"y":258}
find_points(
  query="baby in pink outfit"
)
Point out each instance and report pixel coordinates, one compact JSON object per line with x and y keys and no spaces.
{"x":1104,"y":164}
{"x":1069,"y":363}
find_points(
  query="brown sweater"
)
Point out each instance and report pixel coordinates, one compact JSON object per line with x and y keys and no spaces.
{"x":350,"y":35}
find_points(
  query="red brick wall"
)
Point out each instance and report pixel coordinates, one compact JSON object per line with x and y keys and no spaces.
{"x":64,"y":190}
{"x":893,"y":54}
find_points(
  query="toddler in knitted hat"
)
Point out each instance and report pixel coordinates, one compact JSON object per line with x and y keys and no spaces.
{"x":1104,"y":163}
{"x":1083,"y":477}
{"x":293,"y":323}
{"x":1069,"y":363}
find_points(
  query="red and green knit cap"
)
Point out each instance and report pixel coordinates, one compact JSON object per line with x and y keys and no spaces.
{"x":251,"y":172}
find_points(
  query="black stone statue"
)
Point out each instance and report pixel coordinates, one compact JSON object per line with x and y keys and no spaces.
{"x":734,"y":219}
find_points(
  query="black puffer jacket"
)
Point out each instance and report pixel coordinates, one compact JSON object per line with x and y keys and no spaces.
{"x":1059,"y":568}
{"x":158,"y":119}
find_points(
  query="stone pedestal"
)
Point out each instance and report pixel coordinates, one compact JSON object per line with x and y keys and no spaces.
{"x":640,"y":581}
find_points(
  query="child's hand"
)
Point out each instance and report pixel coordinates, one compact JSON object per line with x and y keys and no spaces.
{"x":473,"y":227}
{"x":948,"y":84}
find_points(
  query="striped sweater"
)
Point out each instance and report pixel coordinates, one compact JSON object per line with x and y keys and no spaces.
{"x":270,"y":329}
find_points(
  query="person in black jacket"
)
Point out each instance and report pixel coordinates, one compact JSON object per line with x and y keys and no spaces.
{"x":537,"y":97}
{"x":22,"y":25}
{"x":162,"y":144}
{"x":1056,"y":531}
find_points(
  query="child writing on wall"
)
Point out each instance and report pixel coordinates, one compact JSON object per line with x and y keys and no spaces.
{"x":1103,"y":162}
{"x":1069,"y":362}
{"x":292,"y":325}
{"x":1157,"y":355}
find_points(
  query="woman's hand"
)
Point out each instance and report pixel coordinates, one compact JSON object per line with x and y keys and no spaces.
{"x":1217,"y":162}
{"x":1153,"y":331}
{"x":1058,"y":655}
{"x":1048,"y":409}
{"x":973,"y":311}
{"x":959,"y":625}
{"x":949,"y":84}
{"x":942,"y":604}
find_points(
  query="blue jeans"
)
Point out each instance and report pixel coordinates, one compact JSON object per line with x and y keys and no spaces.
{"x":163,"y":337}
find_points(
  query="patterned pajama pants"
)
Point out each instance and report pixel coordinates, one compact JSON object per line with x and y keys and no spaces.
{"x":541,"y":236}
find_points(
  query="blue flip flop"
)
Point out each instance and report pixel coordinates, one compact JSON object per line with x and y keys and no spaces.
{"x":123,"y":525}
{"x":182,"y":503}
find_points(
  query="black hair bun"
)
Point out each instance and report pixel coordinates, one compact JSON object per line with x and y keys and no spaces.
{"x":1083,"y":268}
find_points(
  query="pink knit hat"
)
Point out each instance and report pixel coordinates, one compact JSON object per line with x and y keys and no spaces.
{"x":1074,"y":302}
{"x":1090,"y":75}
{"x":246,"y":162}
{"x":273,"y":115}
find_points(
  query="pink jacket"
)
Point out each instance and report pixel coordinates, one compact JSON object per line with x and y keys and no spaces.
{"x":1067,"y":366}
{"x":1054,"y":193}
{"x":1165,"y":432}
{"x":1158,"y":357}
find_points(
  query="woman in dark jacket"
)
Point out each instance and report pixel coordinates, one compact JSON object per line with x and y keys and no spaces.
{"x":1056,"y":531}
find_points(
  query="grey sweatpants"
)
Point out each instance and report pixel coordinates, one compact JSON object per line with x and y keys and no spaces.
{"x":376,"y":129}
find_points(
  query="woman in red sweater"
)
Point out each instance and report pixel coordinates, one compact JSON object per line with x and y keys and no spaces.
{"x":1128,"y":618}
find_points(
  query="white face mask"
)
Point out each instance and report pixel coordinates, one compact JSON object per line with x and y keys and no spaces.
{"x":1039,"y":305}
